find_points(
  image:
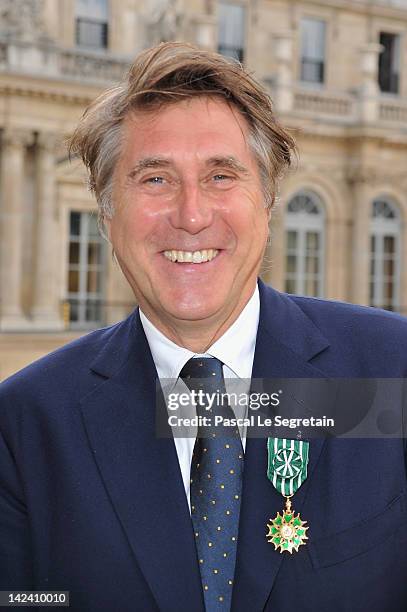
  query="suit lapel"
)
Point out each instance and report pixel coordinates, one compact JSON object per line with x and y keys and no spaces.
{"x":141,"y":473}
{"x":286,"y":341}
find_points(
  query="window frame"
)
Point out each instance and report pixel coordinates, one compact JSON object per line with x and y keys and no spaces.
{"x":221,"y":48}
{"x":91,"y":21}
{"x":83,"y":296}
{"x":303,"y":223}
{"x":379,"y":229}
{"x":301,"y":57}
{"x":397,"y":90}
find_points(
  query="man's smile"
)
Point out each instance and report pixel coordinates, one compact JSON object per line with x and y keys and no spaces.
{"x":195,"y":257}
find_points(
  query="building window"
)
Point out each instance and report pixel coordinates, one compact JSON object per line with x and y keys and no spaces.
{"x":313,"y":37}
{"x":304,"y":225}
{"x":389,"y":63}
{"x":91,"y":23}
{"x":385,"y":255}
{"x":231,"y":30}
{"x":86,"y":271}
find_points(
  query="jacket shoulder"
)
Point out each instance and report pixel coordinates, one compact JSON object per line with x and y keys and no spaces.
{"x":336,"y":315}
{"x":370,"y":340}
{"x":65,"y":365}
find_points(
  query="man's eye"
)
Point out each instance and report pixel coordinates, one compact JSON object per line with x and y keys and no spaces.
{"x":221,"y":177}
{"x":155,"y":180}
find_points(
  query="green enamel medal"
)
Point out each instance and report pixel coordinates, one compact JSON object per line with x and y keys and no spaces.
{"x":287,"y":470}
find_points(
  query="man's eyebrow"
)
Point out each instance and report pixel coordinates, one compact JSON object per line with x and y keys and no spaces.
{"x":149,"y":162}
{"x":219,"y":161}
{"x":227,"y":162}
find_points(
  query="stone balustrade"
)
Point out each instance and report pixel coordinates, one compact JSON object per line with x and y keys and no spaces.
{"x":393,"y":110}
{"x":79,"y":65}
{"x":342,"y":106}
{"x":48,"y":60}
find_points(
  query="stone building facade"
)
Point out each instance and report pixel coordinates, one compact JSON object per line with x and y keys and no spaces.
{"x":337,"y":71}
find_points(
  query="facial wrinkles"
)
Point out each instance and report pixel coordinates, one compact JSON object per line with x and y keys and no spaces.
{"x":217,"y":234}
{"x":201,"y":143}
{"x":145,"y":230}
{"x":169,"y":322}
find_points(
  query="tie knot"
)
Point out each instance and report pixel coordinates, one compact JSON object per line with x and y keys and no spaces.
{"x":202,"y":367}
{"x":204,"y":376}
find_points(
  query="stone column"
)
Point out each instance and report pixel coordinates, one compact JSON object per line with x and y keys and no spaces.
{"x":369,"y":90}
{"x":360,"y":261}
{"x":45,"y":309}
{"x":283,"y":95}
{"x":14,"y":142}
{"x":274,"y":259}
{"x":336,"y":258}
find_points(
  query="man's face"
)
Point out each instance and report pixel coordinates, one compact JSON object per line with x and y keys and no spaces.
{"x":190,"y":226}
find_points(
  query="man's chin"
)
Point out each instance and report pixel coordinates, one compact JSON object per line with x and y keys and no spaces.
{"x":193,"y":308}
{"x":193,"y":313}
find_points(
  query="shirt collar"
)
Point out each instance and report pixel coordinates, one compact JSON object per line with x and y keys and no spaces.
{"x":235,"y":348}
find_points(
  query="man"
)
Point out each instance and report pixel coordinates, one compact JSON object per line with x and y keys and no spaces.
{"x":184,"y":159}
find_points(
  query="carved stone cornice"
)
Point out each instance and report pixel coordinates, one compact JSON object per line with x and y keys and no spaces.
{"x":46,"y":95}
{"x":16,"y":138}
{"x":371,"y":175}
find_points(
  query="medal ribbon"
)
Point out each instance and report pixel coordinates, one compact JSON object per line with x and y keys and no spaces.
{"x":287,"y":464}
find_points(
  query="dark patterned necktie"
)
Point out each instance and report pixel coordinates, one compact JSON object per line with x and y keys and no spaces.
{"x":216,"y":483}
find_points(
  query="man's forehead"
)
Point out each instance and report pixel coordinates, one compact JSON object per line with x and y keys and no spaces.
{"x":210,"y":109}
{"x":214,"y":134}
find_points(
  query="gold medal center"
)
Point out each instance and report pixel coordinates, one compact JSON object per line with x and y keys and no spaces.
{"x":287,"y":532}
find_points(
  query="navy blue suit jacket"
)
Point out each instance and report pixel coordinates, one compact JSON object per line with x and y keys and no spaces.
{"x":92,"y":502}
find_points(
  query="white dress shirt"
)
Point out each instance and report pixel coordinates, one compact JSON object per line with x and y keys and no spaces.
{"x":235,"y":349}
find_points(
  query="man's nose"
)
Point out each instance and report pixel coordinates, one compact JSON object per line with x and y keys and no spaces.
{"x":192,"y":210}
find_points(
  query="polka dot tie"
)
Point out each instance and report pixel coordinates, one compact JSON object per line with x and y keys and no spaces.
{"x":216,"y":482}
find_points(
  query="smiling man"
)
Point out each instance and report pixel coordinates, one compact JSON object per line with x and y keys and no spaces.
{"x":184,"y":159}
{"x":190,"y":224}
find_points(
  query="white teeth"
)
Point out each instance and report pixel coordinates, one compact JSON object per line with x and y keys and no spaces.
{"x":195,"y":257}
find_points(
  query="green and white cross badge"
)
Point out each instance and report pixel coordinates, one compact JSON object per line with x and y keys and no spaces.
{"x":287,"y":470}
